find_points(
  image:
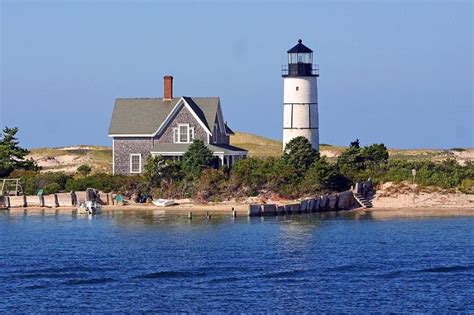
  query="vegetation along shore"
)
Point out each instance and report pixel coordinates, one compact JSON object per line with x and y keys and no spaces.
{"x":444,"y":178}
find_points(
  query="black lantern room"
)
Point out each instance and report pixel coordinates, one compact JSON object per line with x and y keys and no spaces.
{"x":300,"y":62}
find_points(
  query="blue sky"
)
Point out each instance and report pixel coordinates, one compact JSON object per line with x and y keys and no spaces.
{"x":397,"y":72}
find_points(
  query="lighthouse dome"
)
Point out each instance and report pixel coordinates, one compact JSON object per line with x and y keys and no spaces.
{"x":299,"y":48}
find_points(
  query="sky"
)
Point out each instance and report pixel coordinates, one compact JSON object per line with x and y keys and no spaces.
{"x":393,"y":72}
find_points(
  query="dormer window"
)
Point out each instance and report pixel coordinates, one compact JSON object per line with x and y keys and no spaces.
{"x":183,"y":134}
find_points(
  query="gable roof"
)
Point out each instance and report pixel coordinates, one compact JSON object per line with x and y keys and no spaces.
{"x":143,"y":116}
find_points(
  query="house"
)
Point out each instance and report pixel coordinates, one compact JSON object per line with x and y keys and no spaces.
{"x":166,"y":126}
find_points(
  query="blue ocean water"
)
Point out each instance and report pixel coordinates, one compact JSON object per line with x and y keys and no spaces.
{"x":151,"y":262}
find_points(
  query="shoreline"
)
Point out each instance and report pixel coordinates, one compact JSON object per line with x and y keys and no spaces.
{"x":241,"y":209}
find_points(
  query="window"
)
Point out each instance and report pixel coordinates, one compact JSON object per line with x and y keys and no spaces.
{"x":297,"y":88}
{"x":191,"y":134}
{"x":175,"y":135}
{"x":183,"y":134}
{"x":135,"y":163}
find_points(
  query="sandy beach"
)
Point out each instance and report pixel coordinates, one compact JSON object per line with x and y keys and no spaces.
{"x":384,"y":207}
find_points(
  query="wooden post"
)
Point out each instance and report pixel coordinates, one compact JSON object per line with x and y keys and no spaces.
{"x":56,"y":201}
{"x":25,"y":204}
{"x":7,"y":202}
{"x":234,"y":214}
{"x":208,"y":216}
{"x":107,"y":201}
{"x":190,"y":215}
{"x":41,"y":200}
{"x":112,"y":201}
{"x":73,"y":199}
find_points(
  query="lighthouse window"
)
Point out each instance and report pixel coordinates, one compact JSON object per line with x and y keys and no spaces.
{"x":297,"y":88}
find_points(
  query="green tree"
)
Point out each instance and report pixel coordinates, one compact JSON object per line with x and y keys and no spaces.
{"x":197,"y":158}
{"x":299,"y":153}
{"x":375,"y":154}
{"x":84,"y":170}
{"x":12,"y":156}
{"x":158,"y":169}
{"x":324,"y":176}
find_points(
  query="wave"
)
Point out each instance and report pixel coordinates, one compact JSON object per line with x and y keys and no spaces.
{"x":35,"y":275}
{"x":88,"y":281}
{"x":172,"y":274}
{"x":280,"y":274}
{"x":455,"y":268}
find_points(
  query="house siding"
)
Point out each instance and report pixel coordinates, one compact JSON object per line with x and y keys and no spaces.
{"x":124,"y":147}
{"x":219,"y":137}
{"x":184,"y":116}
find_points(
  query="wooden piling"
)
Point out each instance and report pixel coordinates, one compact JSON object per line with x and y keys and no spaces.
{"x":56,"y":201}
{"x":190,"y":215}
{"x":74,"y":199}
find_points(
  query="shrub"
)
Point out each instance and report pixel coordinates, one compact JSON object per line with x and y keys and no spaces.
{"x":250,"y":175}
{"x":197,"y":158}
{"x":211,"y":185}
{"x":84,"y":170}
{"x":324,"y":177}
{"x":32,"y":181}
{"x":467,"y":186}
{"x":52,"y":188}
{"x":158,"y":169}
{"x":104,"y":182}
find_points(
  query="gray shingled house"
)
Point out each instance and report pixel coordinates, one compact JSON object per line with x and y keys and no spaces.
{"x":166,"y":126}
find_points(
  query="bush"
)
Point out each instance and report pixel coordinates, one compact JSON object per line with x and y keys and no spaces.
{"x":250,"y":175}
{"x":159,"y":170}
{"x":211,"y":185}
{"x":52,"y":188}
{"x":467,"y":186}
{"x":104,"y":182}
{"x":84,"y":170}
{"x":324,"y":177}
{"x":32,"y":181}
{"x":197,"y":158}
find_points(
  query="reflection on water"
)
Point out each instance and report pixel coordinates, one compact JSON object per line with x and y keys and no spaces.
{"x":146,"y":261}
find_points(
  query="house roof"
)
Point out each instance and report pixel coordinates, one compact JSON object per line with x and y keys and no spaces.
{"x":228,"y":130}
{"x":183,"y":147}
{"x":143,"y":116}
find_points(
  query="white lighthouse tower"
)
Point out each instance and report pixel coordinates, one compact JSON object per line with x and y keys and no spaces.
{"x":300,"y":96}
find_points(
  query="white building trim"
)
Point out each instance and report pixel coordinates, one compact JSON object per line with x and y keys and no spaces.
{"x":176,"y":108}
{"x":139,"y":163}
{"x":113,"y":156}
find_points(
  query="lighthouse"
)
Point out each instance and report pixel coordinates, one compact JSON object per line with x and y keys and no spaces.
{"x":300,"y":96}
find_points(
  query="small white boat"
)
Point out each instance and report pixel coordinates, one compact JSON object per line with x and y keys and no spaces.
{"x":89,"y":207}
{"x":163,"y":202}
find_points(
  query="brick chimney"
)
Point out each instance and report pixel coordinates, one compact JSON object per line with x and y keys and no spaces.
{"x":168,"y":93}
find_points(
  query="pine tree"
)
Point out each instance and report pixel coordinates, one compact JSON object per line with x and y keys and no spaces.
{"x":197,"y":158}
{"x":12,"y":156}
{"x":300,"y":154}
